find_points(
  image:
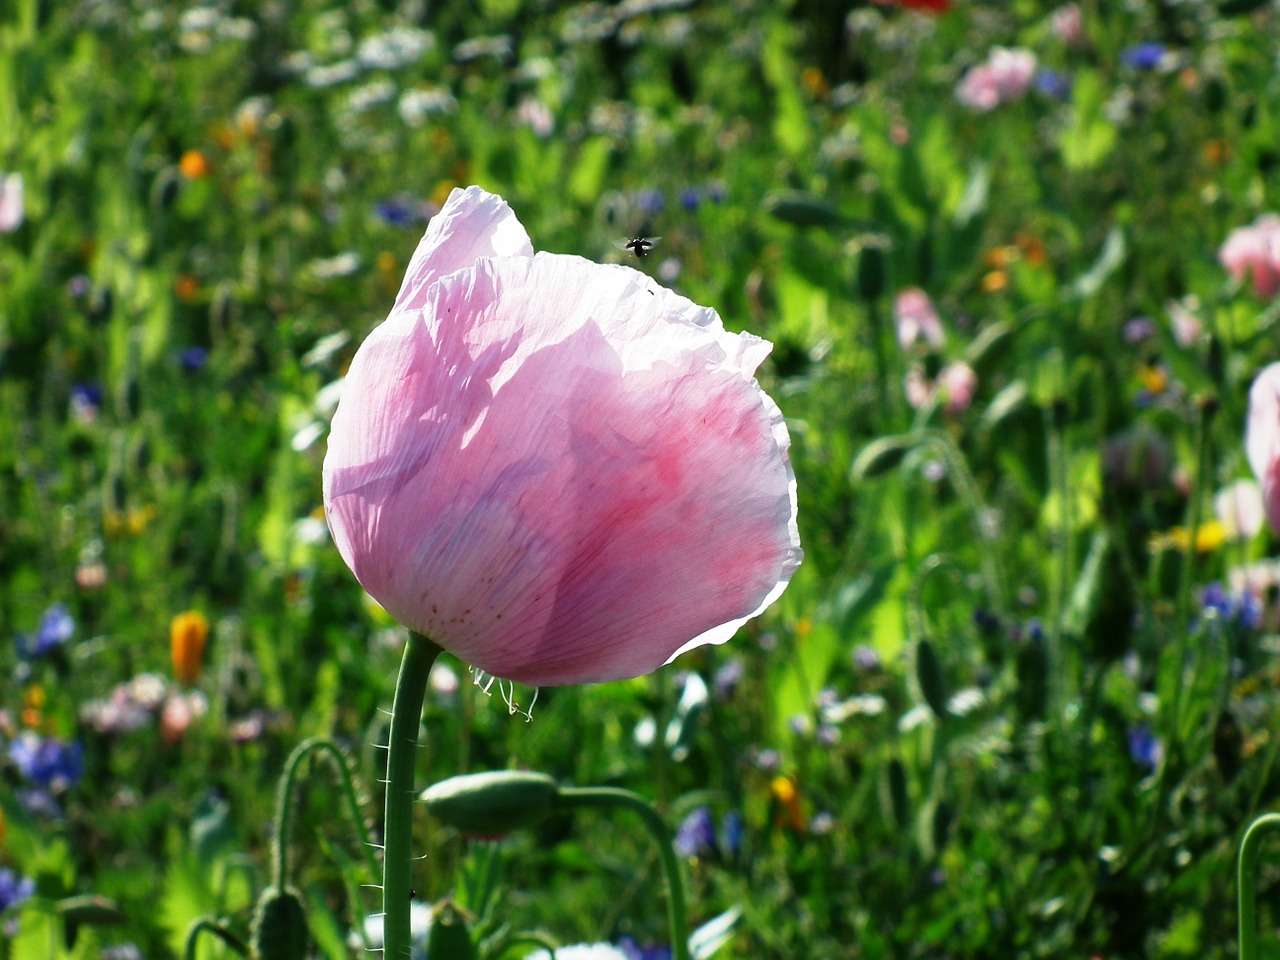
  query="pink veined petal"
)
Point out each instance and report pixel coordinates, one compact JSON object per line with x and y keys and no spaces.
{"x":562,"y":472}
{"x":471,"y":224}
{"x":1262,"y":431}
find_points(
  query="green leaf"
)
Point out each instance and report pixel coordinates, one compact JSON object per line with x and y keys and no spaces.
{"x":1114,"y":250}
{"x":1088,"y":136}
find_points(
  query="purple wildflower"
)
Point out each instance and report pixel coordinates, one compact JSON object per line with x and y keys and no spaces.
{"x":14,"y":890}
{"x":697,"y":835}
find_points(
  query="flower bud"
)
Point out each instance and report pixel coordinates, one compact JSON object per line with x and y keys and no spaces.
{"x":188,"y":634}
{"x":492,"y":804}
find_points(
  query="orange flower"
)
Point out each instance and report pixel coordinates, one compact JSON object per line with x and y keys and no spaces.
{"x":33,"y":701}
{"x":786,"y":804}
{"x":1032,"y":248}
{"x":995,"y":281}
{"x":997,"y":258}
{"x":186,"y":287}
{"x":1215,"y":151}
{"x":188,"y":634}
{"x":814,"y":82}
{"x":194,"y":165}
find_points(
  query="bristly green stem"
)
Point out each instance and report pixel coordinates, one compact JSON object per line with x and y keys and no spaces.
{"x":205,"y":925}
{"x":615,"y":797}
{"x":397,"y":835}
{"x":284,"y":804}
{"x":1247,"y":892}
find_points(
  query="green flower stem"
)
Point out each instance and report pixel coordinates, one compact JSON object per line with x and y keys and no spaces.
{"x":1248,"y":892}
{"x":614,"y":797}
{"x":397,"y":837}
{"x":205,"y":925}
{"x":962,"y":480}
{"x":284,"y":804}
{"x":1188,"y":569}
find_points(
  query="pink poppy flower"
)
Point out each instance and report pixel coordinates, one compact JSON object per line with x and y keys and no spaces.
{"x":1067,"y":24}
{"x":1238,"y":507}
{"x":1005,"y":76}
{"x":1254,"y":251}
{"x":558,"y":470}
{"x":1262,"y":439}
{"x":958,"y":383}
{"x":915,"y":318}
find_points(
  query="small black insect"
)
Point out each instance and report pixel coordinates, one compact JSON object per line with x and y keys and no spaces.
{"x":640,"y":246}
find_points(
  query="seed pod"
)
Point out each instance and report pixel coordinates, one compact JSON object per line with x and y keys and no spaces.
{"x":87,"y":909}
{"x":871,"y":271}
{"x":449,"y":936}
{"x":899,"y":802}
{"x":801,"y":209}
{"x":929,"y":676}
{"x":280,"y":926}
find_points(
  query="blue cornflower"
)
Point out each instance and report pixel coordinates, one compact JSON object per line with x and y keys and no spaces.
{"x":1053,"y":84}
{"x":697,"y":835}
{"x":399,"y":211}
{"x":651,"y":201}
{"x":86,"y":397}
{"x":1215,"y":599}
{"x":1145,"y":747}
{"x":1143,"y":56}
{"x":690,"y":198}
{"x":14,"y":890}
{"x":55,"y":629}
{"x":193,"y":358}
{"x":734,"y":829}
{"x":46,"y":762}
{"x":1217,"y":604}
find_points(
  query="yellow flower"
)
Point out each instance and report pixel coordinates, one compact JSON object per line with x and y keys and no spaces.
{"x":1209,"y":536}
{"x":1154,"y":379}
{"x":188,"y":634}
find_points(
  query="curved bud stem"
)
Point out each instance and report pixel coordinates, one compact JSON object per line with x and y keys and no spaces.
{"x":1248,"y":891}
{"x":284,"y":805}
{"x":614,"y":797}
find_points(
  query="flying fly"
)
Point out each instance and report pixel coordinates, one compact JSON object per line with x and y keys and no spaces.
{"x":640,"y":246}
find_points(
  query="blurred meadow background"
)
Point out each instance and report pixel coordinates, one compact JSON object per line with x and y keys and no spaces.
{"x":1019,"y":701}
